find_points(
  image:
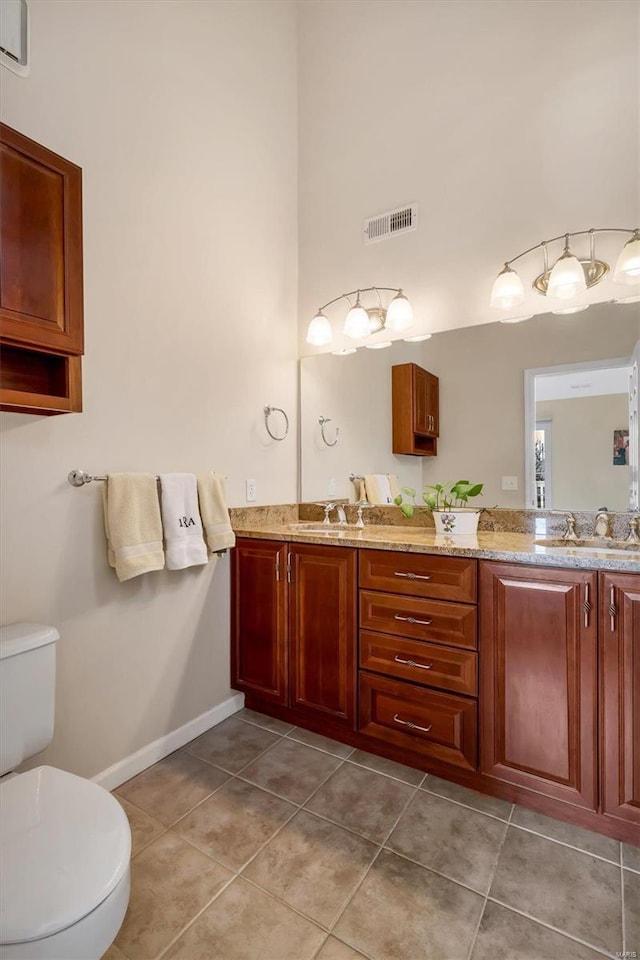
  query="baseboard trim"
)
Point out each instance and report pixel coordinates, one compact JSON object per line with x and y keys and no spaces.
{"x":137,"y":762}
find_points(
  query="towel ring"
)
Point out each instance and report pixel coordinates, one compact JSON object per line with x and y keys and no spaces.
{"x":267,"y":413}
{"x":322,"y":421}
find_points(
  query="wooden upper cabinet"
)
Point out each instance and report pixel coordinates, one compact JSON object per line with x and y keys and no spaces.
{"x":323,"y":631}
{"x":538,"y":689}
{"x":259,"y":660}
{"x":620,"y":685}
{"x":415,"y":395}
{"x":41,"y":301}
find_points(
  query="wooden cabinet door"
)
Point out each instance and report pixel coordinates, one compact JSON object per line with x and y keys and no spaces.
{"x":322,"y":623}
{"x":421,"y":422}
{"x":433,"y":403}
{"x":41,"y":238}
{"x":620,"y":691}
{"x":259,"y":619}
{"x":538,"y":668}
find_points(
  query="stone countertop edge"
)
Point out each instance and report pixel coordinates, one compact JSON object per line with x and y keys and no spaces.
{"x":488,"y":545}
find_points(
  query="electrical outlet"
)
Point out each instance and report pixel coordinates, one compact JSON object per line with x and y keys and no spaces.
{"x":251,"y":491}
{"x":332,"y":487}
{"x":509,"y":483}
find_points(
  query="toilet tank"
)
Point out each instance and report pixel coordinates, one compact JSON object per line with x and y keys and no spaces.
{"x":27,"y":691}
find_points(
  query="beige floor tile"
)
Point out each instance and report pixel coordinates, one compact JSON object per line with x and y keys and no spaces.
{"x":631,"y":857}
{"x":291,"y":770}
{"x":479,"y":801}
{"x":321,"y":743}
{"x":460,"y":843}
{"x":232,"y":744}
{"x":564,"y":888}
{"x":114,"y":954}
{"x":262,"y":720}
{"x":632,"y":912}
{"x":144,"y":828}
{"x":169,"y":789}
{"x":504,"y":935}
{"x":313,"y":866}
{"x":244,"y":923}
{"x":234,"y":823}
{"x":171,"y":883}
{"x":567,"y":833}
{"x":392,"y":769}
{"x":336,"y":950}
{"x":404,"y":912}
{"x":362,"y":800}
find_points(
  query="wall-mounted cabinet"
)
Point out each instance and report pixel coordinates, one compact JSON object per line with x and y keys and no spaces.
{"x":415,"y":397}
{"x":41,"y":296}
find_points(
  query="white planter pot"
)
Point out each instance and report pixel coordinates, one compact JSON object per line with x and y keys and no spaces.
{"x":459,"y":522}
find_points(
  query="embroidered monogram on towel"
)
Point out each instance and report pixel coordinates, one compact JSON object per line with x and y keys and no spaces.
{"x":185,"y":546}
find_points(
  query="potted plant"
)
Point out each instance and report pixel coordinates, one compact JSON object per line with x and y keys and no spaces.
{"x":449,"y":504}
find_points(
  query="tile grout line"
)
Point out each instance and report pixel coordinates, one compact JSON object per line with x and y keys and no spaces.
{"x":548,"y":926}
{"x":467,"y":806}
{"x":184,"y":929}
{"x":486,"y":897}
{"x":563,"y":843}
{"x":622,"y":905}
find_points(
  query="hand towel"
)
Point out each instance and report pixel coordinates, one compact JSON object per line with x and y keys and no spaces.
{"x":214,"y":512}
{"x":185,"y":545}
{"x":381,"y":487}
{"x":132,"y":524}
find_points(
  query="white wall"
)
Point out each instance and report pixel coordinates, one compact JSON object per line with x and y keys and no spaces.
{"x":508,"y":121}
{"x":182,"y":115}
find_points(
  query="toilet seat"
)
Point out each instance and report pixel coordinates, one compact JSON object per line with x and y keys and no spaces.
{"x":65,"y":845}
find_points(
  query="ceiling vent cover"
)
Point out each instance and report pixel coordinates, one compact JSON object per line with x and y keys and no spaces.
{"x":391,"y":223}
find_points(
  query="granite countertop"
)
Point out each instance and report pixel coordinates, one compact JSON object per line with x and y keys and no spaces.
{"x":487,"y":545}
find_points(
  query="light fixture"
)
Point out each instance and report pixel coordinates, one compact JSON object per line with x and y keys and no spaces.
{"x":344,"y":351}
{"x":571,"y":275}
{"x":380,"y":345}
{"x":635,"y":299}
{"x":319,"y":332}
{"x":517,"y":319}
{"x":628,"y":265}
{"x":361,"y":320}
{"x":418,"y":339}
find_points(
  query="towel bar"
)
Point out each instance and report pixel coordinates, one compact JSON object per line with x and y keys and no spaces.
{"x":78,"y":478}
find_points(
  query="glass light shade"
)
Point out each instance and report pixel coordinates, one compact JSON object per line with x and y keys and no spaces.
{"x":344,"y":351}
{"x":319,"y":332}
{"x":507,"y":290}
{"x":417,"y":339}
{"x":517,"y":319}
{"x":577,"y":309}
{"x":628,"y":265}
{"x":356,"y":322}
{"x":399,"y":313}
{"x":378,"y":346}
{"x":635,"y":299}
{"x":567,"y":279}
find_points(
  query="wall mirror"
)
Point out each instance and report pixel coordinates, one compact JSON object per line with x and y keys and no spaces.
{"x":483,"y":425}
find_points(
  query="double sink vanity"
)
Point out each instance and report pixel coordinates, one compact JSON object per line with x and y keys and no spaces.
{"x":507,"y":662}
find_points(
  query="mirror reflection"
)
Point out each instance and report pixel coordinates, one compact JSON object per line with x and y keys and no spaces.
{"x":487,"y":426}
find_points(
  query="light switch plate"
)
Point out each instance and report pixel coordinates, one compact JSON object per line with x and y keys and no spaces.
{"x":332,"y":487}
{"x":251,"y":491}
{"x":509,"y":483}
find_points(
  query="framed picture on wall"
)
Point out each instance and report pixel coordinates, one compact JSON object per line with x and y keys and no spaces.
{"x":620,"y":448}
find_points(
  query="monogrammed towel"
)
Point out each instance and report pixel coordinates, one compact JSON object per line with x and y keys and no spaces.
{"x":214,"y":512}
{"x":132,"y":524}
{"x":185,"y":546}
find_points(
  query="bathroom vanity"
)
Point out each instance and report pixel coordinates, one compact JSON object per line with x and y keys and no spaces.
{"x":508,"y":667}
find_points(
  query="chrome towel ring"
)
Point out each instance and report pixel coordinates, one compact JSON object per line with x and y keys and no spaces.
{"x":322,"y":421}
{"x":267,"y":413}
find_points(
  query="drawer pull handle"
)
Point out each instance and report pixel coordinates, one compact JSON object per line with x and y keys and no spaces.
{"x":424,"y":623}
{"x":613,"y":610}
{"x":413,"y":663}
{"x":412,"y":726}
{"x":411,"y":576}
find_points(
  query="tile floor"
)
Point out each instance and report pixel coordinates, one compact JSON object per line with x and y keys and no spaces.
{"x":260,"y":841}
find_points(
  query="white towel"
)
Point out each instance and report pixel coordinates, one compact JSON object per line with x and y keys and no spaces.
{"x":381,"y":487}
{"x":132,"y":524}
{"x":181,"y":521}
{"x":214,"y":512}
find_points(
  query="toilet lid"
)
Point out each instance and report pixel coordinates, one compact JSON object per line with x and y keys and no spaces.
{"x":65,"y":844}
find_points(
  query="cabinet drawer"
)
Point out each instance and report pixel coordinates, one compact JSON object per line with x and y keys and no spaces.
{"x":437,"y":725}
{"x":418,"y":619}
{"x":426,"y":663}
{"x":419,"y":575}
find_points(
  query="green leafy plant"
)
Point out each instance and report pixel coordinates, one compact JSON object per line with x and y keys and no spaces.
{"x":441,"y":496}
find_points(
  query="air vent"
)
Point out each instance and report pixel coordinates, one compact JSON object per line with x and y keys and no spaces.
{"x":391,"y":223}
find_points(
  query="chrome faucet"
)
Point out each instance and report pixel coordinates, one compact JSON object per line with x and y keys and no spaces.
{"x":328,"y":507}
{"x":342,"y":517}
{"x":602,"y":526}
{"x":634,"y":530}
{"x":569,"y":532}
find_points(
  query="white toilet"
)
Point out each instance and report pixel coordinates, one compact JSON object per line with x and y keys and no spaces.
{"x":65,"y":842}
